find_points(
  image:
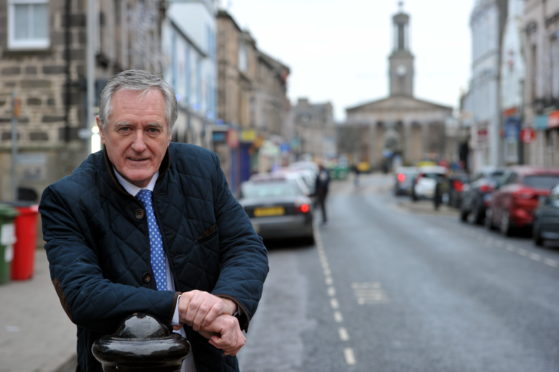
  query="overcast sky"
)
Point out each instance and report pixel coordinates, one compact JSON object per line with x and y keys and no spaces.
{"x":338,"y":50}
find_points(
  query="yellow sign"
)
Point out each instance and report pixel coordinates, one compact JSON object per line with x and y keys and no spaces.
{"x":248,"y":135}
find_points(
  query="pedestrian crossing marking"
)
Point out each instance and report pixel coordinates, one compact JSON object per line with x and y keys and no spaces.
{"x":369,"y":293}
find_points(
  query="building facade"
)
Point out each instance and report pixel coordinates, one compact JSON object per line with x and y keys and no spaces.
{"x":512,"y":83}
{"x":313,"y":130}
{"x":399,"y":128}
{"x":252,"y":103}
{"x":190,"y":52}
{"x":43,"y":69}
{"x":541,"y":86}
{"x":487,"y":23}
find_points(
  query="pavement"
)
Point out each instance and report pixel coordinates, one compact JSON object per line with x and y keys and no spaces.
{"x":35,"y":333}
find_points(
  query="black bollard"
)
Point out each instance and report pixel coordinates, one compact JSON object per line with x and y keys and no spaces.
{"x":141,"y":343}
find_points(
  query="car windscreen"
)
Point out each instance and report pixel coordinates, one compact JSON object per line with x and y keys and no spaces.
{"x":270,"y":189}
{"x":542,"y":181}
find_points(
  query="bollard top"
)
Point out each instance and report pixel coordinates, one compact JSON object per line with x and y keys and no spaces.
{"x":142,"y":326}
{"x":141,"y":343}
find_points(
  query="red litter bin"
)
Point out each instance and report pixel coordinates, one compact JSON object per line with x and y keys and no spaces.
{"x":26,"y":235}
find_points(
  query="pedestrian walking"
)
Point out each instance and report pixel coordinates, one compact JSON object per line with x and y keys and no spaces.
{"x":147,"y":225}
{"x":321,"y":186}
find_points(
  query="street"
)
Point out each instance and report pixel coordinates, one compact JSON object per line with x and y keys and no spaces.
{"x":391,"y":286}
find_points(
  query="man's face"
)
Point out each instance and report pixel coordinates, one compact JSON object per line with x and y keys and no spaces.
{"x":136,"y":135}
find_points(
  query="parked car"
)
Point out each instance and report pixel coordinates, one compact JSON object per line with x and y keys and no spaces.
{"x":278,"y":207}
{"x":456,"y":182}
{"x":517,"y":196}
{"x":546,"y":219}
{"x":403,"y":180}
{"x":425,"y":181}
{"x":476,"y":194}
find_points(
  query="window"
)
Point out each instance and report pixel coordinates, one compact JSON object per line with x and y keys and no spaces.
{"x":28,"y":26}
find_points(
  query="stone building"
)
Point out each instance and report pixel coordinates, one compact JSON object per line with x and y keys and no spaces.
{"x":487,"y":22}
{"x":541,"y":85}
{"x":43,"y":69}
{"x":313,"y":130}
{"x":400,"y":127}
{"x":252,"y":103}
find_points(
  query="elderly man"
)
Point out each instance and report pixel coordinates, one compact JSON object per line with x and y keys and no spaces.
{"x":146,"y":225}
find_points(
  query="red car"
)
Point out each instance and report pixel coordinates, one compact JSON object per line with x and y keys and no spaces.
{"x":517,"y":196}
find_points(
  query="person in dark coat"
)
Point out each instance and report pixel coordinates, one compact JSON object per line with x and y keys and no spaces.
{"x":146,"y":225}
{"x":321,"y":186}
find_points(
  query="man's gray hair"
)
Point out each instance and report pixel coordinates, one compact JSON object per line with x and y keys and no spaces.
{"x":141,"y":81}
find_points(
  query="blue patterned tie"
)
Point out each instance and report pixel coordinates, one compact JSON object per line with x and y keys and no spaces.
{"x":156,"y":243}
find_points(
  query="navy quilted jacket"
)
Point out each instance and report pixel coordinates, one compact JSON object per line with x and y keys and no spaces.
{"x":98,"y":247}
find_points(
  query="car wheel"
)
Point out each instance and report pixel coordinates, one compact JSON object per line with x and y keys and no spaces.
{"x":478,"y":216}
{"x":463,"y":215}
{"x":505,"y":225}
{"x":538,"y":240}
{"x":310,"y":239}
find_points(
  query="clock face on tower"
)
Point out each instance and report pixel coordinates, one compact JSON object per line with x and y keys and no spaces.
{"x":401,"y":70}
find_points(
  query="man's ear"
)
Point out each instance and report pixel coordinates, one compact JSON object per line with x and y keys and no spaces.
{"x":100,"y":127}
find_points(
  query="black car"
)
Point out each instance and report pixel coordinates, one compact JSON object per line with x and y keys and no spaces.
{"x":278,"y":206}
{"x":546,"y":219}
{"x":476,"y":194}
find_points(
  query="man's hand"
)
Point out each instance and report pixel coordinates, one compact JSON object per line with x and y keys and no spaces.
{"x":225,"y":334}
{"x":199,"y":309}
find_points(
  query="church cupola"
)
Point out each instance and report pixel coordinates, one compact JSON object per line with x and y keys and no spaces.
{"x":401,"y":70}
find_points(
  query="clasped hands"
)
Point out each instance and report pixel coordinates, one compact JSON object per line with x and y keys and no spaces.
{"x":211,"y":316}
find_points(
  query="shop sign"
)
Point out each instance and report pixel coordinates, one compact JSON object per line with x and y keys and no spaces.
{"x":248,"y":135}
{"x":219,"y":136}
{"x":541,"y":122}
{"x":512,"y":127}
{"x":527,"y":135}
{"x":553,"y":120}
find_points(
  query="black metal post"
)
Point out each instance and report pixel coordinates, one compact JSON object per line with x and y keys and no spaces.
{"x":141,"y":343}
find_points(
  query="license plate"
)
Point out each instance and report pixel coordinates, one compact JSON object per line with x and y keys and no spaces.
{"x":270,"y":211}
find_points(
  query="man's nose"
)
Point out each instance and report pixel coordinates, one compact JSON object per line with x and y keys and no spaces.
{"x":138,"y":144}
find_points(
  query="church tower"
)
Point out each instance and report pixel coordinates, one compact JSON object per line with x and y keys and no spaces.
{"x":401,"y":59}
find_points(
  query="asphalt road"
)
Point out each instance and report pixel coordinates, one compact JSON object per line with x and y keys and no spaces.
{"x":395,"y":286}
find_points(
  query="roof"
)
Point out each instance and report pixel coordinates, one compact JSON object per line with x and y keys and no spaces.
{"x":399,"y":103}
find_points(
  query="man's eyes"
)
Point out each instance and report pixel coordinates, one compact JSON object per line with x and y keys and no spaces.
{"x":153,"y":130}
{"x":149,"y":130}
{"x":124,"y":130}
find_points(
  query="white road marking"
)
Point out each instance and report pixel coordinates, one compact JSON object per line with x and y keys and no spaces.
{"x":522,"y":252}
{"x":344,"y":336}
{"x":535,"y":257}
{"x":550,"y":262}
{"x":338,"y":317}
{"x":349,"y":356}
{"x":334,"y":303}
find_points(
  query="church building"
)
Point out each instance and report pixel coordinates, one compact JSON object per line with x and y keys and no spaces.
{"x":399,"y":128}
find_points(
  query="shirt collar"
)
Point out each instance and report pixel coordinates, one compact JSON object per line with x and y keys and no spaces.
{"x":133,"y":189}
